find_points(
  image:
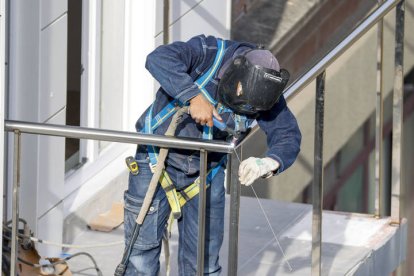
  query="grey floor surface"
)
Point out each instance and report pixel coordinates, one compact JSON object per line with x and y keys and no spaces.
{"x":352,"y":244}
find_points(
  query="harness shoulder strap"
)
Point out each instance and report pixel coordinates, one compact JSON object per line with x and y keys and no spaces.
{"x":152,"y":122}
{"x":206,"y":77}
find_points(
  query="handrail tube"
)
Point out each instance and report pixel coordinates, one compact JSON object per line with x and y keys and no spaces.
{"x":379,"y":119}
{"x":234,"y":215}
{"x":15,"y":203}
{"x":318,"y":68}
{"x":117,"y":136}
{"x":201,"y":212}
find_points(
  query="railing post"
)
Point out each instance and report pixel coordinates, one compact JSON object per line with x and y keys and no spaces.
{"x":15,"y":203}
{"x":379,"y":118}
{"x":235,"y":188}
{"x":166,"y":22}
{"x":397,"y":121}
{"x":201,"y":212}
{"x":317,"y":188}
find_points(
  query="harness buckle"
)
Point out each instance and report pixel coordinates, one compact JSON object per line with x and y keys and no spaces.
{"x":152,"y":167}
{"x":169,"y":188}
{"x":184,"y":195}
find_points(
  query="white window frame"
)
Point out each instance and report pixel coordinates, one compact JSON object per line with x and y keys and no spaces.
{"x":90,"y":79}
{"x":82,"y":183}
{"x":94,"y":161}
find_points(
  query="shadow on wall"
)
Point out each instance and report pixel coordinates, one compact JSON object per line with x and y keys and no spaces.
{"x":300,"y":32}
{"x":259,"y":22}
{"x":409,"y":13}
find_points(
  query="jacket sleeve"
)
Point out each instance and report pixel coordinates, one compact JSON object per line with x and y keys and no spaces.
{"x":170,"y":66}
{"x":283,"y":134}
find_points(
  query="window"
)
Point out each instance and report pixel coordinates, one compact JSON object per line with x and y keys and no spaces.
{"x":95,"y":74}
{"x":74,"y":71}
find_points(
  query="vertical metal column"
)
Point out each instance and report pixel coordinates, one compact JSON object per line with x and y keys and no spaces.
{"x":15,"y":203}
{"x":379,"y":119}
{"x":317,"y":188}
{"x":235,"y":188}
{"x":397,"y":121}
{"x":201,"y":212}
{"x":166,"y":22}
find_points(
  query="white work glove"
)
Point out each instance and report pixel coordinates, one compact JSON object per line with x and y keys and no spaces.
{"x":252,"y":168}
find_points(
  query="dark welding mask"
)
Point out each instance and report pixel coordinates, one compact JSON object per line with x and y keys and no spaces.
{"x":248,"y":88}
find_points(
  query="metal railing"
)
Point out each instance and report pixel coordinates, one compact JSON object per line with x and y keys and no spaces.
{"x":316,"y":72}
{"x":203,"y":146}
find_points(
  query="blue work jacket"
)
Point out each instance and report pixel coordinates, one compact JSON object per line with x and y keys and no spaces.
{"x":176,"y":66}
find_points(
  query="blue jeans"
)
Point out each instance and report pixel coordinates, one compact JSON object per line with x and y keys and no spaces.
{"x":145,"y":255}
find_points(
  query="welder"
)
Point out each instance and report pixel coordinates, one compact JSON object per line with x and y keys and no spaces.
{"x":227,"y":87}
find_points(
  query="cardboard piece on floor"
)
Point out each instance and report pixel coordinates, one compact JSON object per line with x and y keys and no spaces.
{"x":109,"y":220}
{"x":33,"y":257}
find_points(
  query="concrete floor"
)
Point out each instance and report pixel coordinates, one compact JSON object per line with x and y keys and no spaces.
{"x":352,"y":243}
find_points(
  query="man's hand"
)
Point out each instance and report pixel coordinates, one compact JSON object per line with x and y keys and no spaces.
{"x":252,"y":168}
{"x":202,"y":111}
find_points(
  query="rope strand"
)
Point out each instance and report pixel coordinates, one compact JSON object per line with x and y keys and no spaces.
{"x":268,"y":223}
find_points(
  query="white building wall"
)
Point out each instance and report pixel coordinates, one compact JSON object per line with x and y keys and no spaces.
{"x":24,"y":49}
{"x":2,"y":97}
{"x":189,"y":18}
{"x":38,"y":94}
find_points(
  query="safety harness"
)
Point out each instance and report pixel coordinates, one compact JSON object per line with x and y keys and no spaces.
{"x":177,"y":199}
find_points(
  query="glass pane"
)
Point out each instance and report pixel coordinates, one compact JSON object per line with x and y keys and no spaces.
{"x":350,"y":196}
{"x":351,"y":149}
{"x":73,"y":80}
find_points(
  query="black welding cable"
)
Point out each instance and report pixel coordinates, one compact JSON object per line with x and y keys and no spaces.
{"x":22,"y":236}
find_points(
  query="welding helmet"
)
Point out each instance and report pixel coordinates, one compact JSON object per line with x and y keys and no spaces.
{"x":252,"y":82}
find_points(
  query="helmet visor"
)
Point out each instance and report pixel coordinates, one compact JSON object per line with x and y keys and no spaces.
{"x":247,"y":88}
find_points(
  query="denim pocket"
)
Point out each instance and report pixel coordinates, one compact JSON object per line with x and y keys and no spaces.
{"x":148,"y":237}
{"x":138,"y":184}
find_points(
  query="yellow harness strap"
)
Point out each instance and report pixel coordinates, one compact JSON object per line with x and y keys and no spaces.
{"x":178,"y":199}
{"x":171,"y":193}
{"x":189,"y":192}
